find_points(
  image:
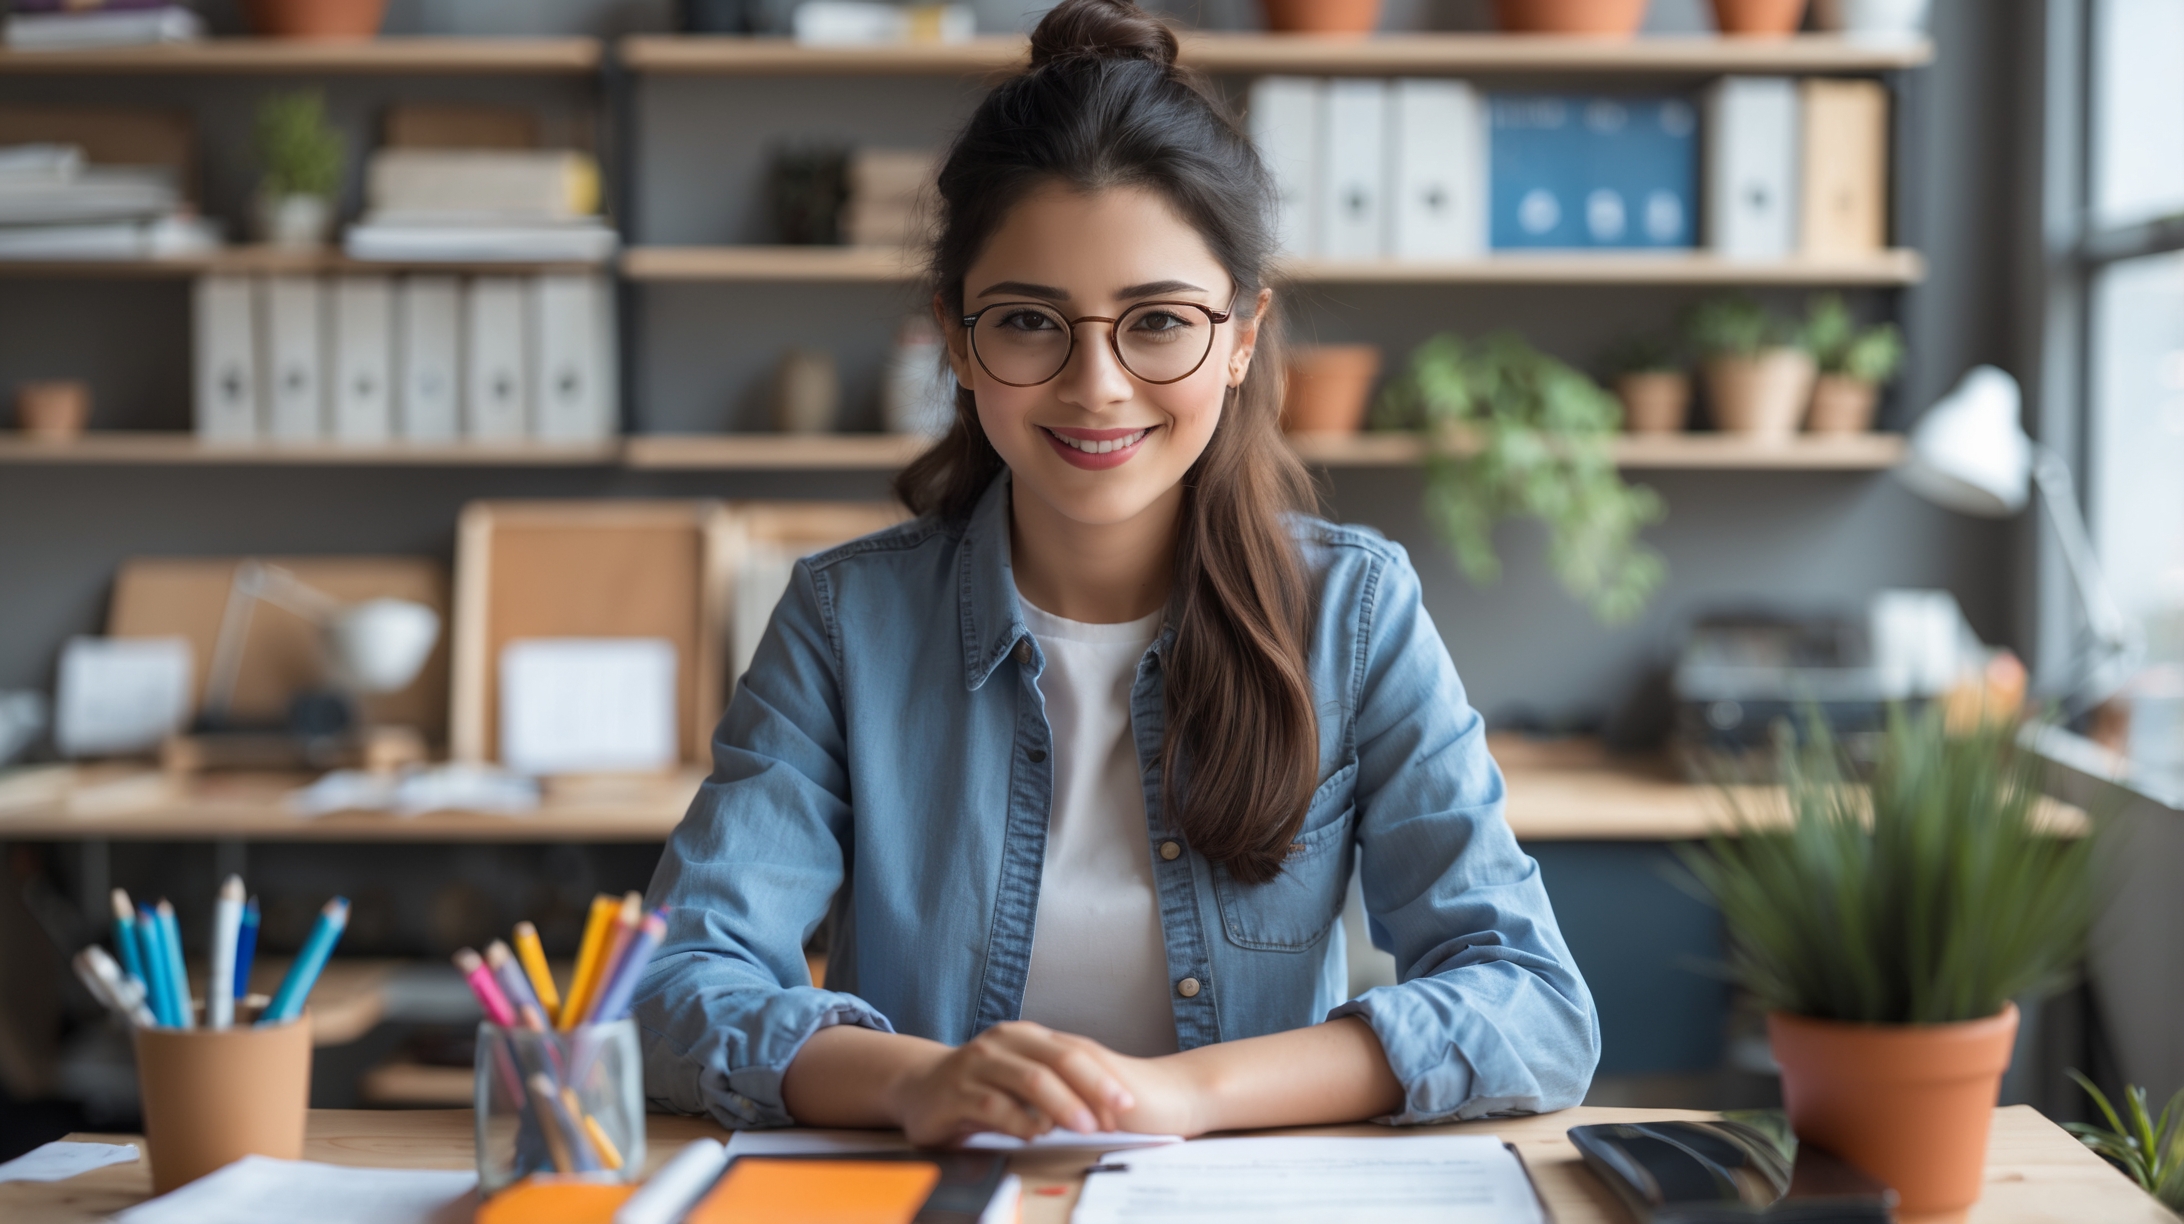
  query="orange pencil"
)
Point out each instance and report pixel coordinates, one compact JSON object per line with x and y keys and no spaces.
{"x":618,"y":936}
{"x":596,"y":927}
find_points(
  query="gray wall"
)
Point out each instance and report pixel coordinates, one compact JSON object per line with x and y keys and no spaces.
{"x":1787,"y":540}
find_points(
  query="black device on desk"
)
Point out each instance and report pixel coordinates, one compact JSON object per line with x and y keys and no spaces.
{"x":1740,"y":675}
{"x":1718,"y":1172}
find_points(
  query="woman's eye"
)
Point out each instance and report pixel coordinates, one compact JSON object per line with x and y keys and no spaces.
{"x":1156,"y":322}
{"x":1027,"y":320}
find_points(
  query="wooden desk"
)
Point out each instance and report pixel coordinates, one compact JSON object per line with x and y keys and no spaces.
{"x":2036,"y":1173}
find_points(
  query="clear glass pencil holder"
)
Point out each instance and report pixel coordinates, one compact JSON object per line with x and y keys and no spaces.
{"x":560,"y":1103}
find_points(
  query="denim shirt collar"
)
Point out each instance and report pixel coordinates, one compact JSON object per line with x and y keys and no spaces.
{"x":993,"y":617}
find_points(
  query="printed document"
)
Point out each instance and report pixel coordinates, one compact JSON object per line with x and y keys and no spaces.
{"x":1429,"y":1179}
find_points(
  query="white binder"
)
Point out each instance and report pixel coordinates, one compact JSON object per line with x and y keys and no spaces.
{"x":1285,"y":114}
{"x":1353,"y":214}
{"x":226,"y":358}
{"x":572,"y":359}
{"x":1438,"y":180}
{"x":428,"y":355}
{"x":1751,"y":167}
{"x":363,"y":363}
{"x":291,"y":367}
{"x":496,"y":366}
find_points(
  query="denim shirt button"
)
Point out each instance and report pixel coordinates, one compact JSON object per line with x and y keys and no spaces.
{"x":1188,"y":988}
{"x":1023,"y":654}
{"x":1037,"y":755}
{"x":1170,"y":851}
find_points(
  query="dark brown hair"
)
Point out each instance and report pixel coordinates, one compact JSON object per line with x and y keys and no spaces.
{"x":1103,"y":105}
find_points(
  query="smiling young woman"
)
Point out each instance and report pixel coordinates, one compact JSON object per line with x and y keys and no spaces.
{"x":1079,"y":762}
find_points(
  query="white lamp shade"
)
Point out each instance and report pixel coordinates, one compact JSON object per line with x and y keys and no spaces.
{"x":379,"y":645}
{"x":1968,"y":453}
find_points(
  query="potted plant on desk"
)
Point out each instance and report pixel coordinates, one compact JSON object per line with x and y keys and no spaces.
{"x":1888,"y":927}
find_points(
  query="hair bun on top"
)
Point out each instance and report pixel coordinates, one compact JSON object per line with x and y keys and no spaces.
{"x":1101,"y":29}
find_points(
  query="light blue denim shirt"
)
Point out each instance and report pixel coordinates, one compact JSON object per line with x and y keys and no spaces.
{"x":889,"y":741}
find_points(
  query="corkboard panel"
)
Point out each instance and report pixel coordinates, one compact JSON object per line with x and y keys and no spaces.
{"x":777,"y":532}
{"x":587,"y":569}
{"x":186,"y":596}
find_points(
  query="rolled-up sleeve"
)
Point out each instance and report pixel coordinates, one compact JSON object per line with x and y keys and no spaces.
{"x":1489,"y":1015}
{"x":747,"y":877}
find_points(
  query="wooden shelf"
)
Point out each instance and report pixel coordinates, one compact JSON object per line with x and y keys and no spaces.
{"x":391,"y":56}
{"x":1256,"y":53}
{"x":128,"y":447}
{"x":771,"y":452}
{"x":887,"y":265}
{"x":1870,"y":452}
{"x":261,"y":260}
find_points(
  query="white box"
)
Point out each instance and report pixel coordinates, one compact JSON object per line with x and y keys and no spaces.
{"x":572,"y":357}
{"x":1353,"y":213}
{"x":363,"y":364}
{"x":291,"y":367}
{"x":225,"y":332}
{"x":1752,"y":142}
{"x":1437,"y":193}
{"x":585,"y":705}
{"x":428,"y":356}
{"x":1285,"y":114}
{"x":121,"y":695}
{"x":496,"y":365}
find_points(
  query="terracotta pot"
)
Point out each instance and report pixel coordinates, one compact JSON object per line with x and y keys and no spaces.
{"x":1614,"y":18}
{"x":1763,"y":396}
{"x":1656,"y":401}
{"x":316,"y":18}
{"x":1842,"y":405}
{"x":1351,"y":17}
{"x":1329,"y":387}
{"x":213,"y":1097}
{"x":1908,"y":1103}
{"x":54,"y":411}
{"x":1759,"y":18}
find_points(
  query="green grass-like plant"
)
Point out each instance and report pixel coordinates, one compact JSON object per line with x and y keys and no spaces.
{"x":1928,"y":895}
{"x":2149,"y":1149}
{"x":1512,"y":432}
{"x":300,"y":151}
{"x":1733,"y":325}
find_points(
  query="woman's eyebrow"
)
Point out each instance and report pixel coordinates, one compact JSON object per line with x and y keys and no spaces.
{"x":1026,"y":289}
{"x":1153,"y":288}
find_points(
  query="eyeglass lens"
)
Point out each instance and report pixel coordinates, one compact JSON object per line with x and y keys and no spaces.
{"x":1024,"y":344}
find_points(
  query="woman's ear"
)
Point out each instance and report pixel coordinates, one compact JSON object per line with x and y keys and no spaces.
{"x":959,"y":341}
{"x":1247,"y":338}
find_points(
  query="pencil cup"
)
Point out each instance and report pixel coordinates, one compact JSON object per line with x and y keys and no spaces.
{"x":213,"y":1097}
{"x":570,"y":1103}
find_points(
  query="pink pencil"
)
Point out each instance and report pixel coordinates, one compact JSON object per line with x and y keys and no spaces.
{"x":489,"y":994}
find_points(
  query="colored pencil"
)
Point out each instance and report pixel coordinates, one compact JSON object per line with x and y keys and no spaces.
{"x":508,"y":974}
{"x":547,"y":1109}
{"x":626,"y":921}
{"x":534,"y":967}
{"x":109,"y":985}
{"x":594,"y":1134}
{"x":125,"y":936}
{"x":288,"y":1001}
{"x":246,"y":948}
{"x":153,"y":948}
{"x":596,"y":930}
{"x":613,"y":1001}
{"x":480,"y":979}
{"x":227,"y":922}
{"x":176,"y":970}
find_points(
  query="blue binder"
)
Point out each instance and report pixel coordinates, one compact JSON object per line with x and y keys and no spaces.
{"x":1593,"y":171}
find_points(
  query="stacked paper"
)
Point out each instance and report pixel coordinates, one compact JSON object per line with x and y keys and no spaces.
{"x":70,"y":25}
{"x":482,"y":206}
{"x":53,"y":205}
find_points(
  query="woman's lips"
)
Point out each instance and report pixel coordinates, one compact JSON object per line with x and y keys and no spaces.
{"x":1096,"y":449}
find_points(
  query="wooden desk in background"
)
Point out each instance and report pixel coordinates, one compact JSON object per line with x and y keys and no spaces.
{"x":2036,"y":1174}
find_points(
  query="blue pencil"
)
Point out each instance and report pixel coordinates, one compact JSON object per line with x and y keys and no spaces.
{"x":125,"y":937}
{"x":178,"y":973}
{"x":153,"y":950}
{"x":287,"y":1002}
{"x":246,"y":947}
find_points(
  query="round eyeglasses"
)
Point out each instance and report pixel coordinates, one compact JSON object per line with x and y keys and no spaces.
{"x":1023,"y":344}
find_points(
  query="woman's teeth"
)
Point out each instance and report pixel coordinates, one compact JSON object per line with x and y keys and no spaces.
{"x":1101,"y":448}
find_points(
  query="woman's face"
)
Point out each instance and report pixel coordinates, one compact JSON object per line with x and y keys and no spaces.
{"x":1095,"y":443}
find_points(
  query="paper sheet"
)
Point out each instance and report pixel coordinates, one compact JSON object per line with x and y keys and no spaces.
{"x":1436,"y":1179}
{"x":799,"y":1142}
{"x":261,"y":1190}
{"x":59,"y":1161}
{"x":588,"y":705}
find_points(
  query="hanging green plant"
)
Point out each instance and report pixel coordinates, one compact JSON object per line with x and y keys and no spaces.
{"x":1513,"y":433}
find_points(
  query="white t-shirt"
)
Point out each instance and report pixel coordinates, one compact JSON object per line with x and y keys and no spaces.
{"x":1099,"y":966}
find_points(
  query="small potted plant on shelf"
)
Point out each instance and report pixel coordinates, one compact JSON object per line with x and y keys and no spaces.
{"x":1329,"y":387}
{"x":302,"y":157}
{"x":1340,"y":17}
{"x":316,"y":18}
{"x":1759,"y":18}
{"x":1853,"y":362}
{"x":1873,"y":21}
{"x":1511,"y":432}
{"x":1613,"y":18}
{"x":1648,"y":376}
{"x":1888,"y":926}
{"x":1758,"y":377}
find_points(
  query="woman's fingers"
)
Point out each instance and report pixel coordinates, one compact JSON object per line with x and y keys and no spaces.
{"x":1038,"y":1086}
{"x":1077,"y":1061}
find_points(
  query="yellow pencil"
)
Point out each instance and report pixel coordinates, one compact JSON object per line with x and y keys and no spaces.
{"x":603,"y":909}
{"x":623,"y":929}
{"x":603,"y":1147}
{"x":533,"y":957}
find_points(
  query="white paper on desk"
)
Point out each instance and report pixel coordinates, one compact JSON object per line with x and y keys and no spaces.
{"x":588,"y":705}
{"x":1434,"y":1179}
{"x":58,"y":1161}
{"x":262,"y":1190}
{"x":801,"y":1142}
{"x":121,"y":695}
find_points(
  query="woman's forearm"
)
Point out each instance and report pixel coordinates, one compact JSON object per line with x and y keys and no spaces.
{"x":849,"y":1076}
{"x":1328,"y":1073}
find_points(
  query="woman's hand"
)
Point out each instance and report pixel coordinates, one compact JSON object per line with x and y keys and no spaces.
{"x":1016,"y":1078}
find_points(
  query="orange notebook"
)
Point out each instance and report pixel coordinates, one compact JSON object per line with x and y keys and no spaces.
{"x":760,"y":1191}
{"x":553,"y":1200}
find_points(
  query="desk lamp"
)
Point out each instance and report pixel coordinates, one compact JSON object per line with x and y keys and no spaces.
{"x":374,"y":646}
{"x":1969,"y":454}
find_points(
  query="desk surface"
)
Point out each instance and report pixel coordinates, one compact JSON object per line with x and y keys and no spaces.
{"x":2036,"y":1173}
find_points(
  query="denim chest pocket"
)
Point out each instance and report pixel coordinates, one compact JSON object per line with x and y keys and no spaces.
{"x":1290,"y":912}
